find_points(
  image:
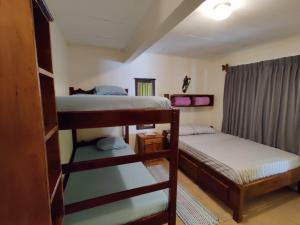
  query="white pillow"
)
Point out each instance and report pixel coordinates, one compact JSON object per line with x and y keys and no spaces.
{"x":203,"y":129}
{"x":186,"y":130}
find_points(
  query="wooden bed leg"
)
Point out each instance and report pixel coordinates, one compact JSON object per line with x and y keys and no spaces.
{"x":238,"y":215}
{"x":298,"y":186}
{"x":238,"y":205}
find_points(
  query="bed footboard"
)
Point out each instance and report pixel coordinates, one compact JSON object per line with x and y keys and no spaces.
{"x":208,"y":179}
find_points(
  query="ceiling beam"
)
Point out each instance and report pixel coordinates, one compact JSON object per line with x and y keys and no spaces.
{"x":162,"y":17}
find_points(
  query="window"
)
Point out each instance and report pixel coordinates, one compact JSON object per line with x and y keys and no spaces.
{"x":145,"y":87}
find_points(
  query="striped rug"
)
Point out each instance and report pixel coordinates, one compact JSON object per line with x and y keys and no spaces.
{"x":189,"y":210}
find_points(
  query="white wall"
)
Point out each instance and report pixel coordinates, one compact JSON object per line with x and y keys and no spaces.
{"x":93,"y":66}
{"x":88,"y":66}
{"x":61,"y":82}
{"x":214,"y":79}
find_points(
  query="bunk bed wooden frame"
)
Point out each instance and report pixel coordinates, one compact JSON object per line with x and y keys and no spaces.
{"x":232,"y":194}
{"x":95,"y":119}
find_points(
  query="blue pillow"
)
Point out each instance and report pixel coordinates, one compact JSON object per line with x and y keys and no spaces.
{"x":111,"y":143}
{"x":110,"y":90}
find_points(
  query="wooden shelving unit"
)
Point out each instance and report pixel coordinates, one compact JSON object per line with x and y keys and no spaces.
{"x":46,"y":84}
{"x":31,"y":178}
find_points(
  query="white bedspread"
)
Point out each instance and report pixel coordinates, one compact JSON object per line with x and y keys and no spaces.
{"x":109,"y":102}
{"x":239,"y":159}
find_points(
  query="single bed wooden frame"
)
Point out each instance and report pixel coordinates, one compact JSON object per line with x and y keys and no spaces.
{"x":232,"y":194}
{"x":73,"y":120}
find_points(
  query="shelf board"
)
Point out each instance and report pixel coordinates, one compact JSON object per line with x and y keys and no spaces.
{"x":54,"y":183}
{"x":50,"y":129}
{"x":45,"y":72}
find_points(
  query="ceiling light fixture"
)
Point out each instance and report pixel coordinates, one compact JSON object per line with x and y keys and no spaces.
{"x":222,"y":11}
{"x":219,"y":9}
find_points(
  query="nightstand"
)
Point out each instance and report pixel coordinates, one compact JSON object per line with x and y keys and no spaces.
{"x":150,"y":143}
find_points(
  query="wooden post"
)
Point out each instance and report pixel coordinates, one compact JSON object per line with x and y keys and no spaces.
{"x":74,"y":141}
{"x":71,"y":90}
{"x":238,"y":205}
{"x":126,"y":134}
{"x":173,"y":167}
{"x":298,"y":186}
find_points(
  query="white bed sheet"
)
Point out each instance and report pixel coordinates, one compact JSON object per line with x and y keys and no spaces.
{"x":109,"y":102}
{"x":238,"y":159}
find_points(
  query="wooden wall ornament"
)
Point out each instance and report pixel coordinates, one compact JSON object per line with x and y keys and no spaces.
{"x":186,"y":83}
{"x":225,"y":67}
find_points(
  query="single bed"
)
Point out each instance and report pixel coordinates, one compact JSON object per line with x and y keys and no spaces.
{"x":98,"y":182}
{"x":236,"y":169}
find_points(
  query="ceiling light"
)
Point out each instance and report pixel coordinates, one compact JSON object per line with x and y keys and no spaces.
{"x":222,"y":11}
{"x":219,"y":9}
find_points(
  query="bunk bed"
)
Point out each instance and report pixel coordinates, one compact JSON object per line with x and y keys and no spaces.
{"x":90,"y":165}
{"x":235,"y":169}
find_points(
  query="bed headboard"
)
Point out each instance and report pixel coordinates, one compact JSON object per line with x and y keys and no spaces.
{"x":73,"y":91}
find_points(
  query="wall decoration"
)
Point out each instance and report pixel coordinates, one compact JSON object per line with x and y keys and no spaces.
{"x":186,"y":83}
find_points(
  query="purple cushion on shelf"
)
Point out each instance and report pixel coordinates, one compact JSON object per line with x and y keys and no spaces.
{"x":201,"y":100}
{"x":181,"y":101}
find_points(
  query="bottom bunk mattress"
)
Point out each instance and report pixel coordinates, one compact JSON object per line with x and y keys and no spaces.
{"x":240,"y":160}
{"x":98,"y":182}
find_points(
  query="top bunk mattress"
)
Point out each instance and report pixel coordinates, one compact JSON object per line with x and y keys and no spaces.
{"x":109,"y":102}
{"x":98,"y":182}
{"x":240,"y":160}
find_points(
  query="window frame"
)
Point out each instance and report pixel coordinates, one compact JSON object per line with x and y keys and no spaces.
{"x":144,"y":80}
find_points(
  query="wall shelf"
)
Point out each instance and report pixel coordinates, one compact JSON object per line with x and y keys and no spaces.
{"x":190,"y":100}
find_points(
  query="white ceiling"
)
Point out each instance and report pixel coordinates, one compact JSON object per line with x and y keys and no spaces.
{"x":255,"y":22}
{"x":102,"y":23}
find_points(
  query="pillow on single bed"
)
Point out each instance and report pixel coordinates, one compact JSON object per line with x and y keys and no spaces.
{"x":186,"y":130}
{"x":204,"y":129}
{"x":111,"y":143}
{"x":110,"y":90}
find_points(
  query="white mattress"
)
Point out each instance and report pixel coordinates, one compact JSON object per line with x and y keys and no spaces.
{"x":109,"y":102}
{"x":239,"y":159}
{"x":98,"y":182}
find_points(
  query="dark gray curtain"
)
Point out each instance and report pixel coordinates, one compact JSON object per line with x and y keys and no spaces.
{"x":262,"y":103}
